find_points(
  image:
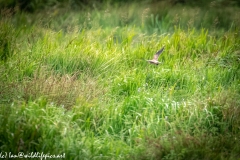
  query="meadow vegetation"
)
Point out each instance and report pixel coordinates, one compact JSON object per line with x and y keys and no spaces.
{"x":76,"y":81}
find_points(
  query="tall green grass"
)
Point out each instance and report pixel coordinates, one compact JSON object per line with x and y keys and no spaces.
{"x":78,"y":83}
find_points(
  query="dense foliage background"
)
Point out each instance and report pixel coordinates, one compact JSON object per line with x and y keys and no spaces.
{"x":33,"y":5}
{"x":74,"y":79}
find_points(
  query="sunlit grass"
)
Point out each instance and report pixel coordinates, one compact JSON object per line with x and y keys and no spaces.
{"x":79,"y":83}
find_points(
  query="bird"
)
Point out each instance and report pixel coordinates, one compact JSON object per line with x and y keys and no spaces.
{"x":155,"y":57}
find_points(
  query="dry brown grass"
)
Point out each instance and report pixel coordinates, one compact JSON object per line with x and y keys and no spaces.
{"x":62,"y":90}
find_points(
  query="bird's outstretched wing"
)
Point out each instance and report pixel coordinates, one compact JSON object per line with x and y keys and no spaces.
{"x":156,"y":55}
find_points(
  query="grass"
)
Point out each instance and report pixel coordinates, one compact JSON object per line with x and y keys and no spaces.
{"x":78,"y":83}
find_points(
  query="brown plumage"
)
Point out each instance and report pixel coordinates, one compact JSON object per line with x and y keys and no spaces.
{"x":155,"y":57}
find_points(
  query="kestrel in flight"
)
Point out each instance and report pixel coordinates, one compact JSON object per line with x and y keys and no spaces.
{"x":155,"y":57}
